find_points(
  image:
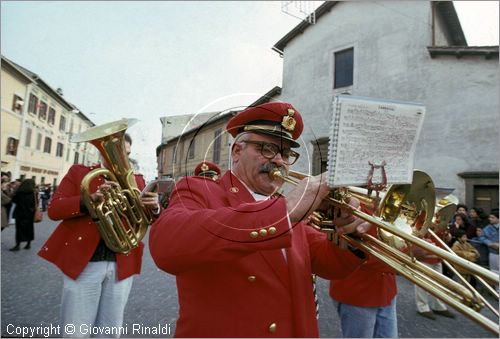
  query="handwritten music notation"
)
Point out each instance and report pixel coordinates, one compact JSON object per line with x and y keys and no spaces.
{"x":366,"y":130}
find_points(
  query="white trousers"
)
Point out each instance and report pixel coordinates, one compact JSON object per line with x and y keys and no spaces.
{"x":426,"y":301}
{"x":94,"y":303}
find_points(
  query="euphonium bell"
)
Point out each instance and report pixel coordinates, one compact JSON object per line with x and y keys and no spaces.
{"x":122,"y":219}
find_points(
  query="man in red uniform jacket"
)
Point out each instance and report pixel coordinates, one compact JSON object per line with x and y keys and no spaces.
{"x":242,"y":257}
{"x":368,"y":293}
{"x":97,"y":281}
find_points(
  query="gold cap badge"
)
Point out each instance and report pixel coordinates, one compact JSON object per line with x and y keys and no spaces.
{"x":204,"y":167}
{"x":288,"y":121}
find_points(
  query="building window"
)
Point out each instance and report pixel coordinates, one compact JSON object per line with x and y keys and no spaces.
{"x":52,"y":116}
{"x":27,"y":142}
{"x":33,"y":103}
{"x":62,"y":124}
{"x":75,"y":160}
{"x":12,"y":146}
{"x":344,"y":68}
{"x":320,"y":155}
{"x":191,"y":149}
{"x":17,"y":104}
{"x":42,"y":110}
{"x":174,"y":155}
{"x":39,"y":141}
{"x":59,"y":150}
{"x":48,"y":145}
{"x":217,"y":144}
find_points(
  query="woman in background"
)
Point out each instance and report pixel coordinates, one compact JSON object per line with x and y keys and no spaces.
{"x":25,"y":199}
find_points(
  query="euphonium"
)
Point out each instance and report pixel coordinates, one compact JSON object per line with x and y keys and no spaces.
{"x":121,"y":218}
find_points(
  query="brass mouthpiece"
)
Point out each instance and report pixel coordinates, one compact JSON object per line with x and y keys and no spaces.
{"x":277,"y":173}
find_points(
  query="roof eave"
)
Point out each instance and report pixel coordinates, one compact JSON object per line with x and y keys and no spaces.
{"x":299,"y":29}
{"x":192,"y":130}
{"x":265,"y":98}
{"x":489,"y":52}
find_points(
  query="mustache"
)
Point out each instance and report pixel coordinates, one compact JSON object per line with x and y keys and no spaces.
{"x":268,"y":167}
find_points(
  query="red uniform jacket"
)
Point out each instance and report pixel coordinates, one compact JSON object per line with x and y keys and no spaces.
{"x":72,"y":244}
{"x":373,"y":284}
{"x":226,"y":252}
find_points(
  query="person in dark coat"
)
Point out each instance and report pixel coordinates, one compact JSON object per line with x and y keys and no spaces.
{"x":25,"y":201}
{"x":6,"y":198}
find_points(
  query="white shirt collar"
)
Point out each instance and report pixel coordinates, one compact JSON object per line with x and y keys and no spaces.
{"x":256,"y":196}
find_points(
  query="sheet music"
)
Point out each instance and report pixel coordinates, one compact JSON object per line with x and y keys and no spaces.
{"x":371,"y":130}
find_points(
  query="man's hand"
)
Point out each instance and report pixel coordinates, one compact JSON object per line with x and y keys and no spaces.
{"x":150,"y":201}
{"x":306,"y":197}
{"x":347,"y":223}
{"x":98,"y":196}
{"x":421,"y":254}
{"x":494,"y":245}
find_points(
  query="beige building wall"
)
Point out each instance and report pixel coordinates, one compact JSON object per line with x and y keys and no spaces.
{"x":212,"y":136}
{"x":212,"y":143}
{"x":14,"y":87}
{"x":39,"y":120}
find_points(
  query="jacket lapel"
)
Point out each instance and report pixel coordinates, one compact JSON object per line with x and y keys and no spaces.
{"x":238,"y":194}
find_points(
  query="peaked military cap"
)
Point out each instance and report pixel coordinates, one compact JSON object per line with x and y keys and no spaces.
{"x":278,"y":119}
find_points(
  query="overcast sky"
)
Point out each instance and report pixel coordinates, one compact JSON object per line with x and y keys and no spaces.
{"x":152,"y":59}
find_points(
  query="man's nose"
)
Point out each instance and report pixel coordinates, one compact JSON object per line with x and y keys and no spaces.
{"x":278,"y":159}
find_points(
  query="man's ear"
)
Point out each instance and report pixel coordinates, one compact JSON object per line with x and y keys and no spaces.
{"x":236,"y":151}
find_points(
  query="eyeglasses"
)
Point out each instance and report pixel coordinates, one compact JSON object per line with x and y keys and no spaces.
{"x":269,"y":151}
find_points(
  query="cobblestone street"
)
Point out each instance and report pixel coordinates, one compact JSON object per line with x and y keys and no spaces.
{"x":31,"y":289}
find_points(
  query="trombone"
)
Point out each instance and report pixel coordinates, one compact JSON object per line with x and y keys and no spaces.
{"x":402,"y":214}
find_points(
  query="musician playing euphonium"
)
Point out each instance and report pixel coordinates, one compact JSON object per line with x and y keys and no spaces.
{"x":243,"y":258}
{"x":96,"y":280}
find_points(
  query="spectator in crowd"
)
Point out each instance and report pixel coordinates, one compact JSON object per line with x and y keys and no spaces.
{"x":461,"y":223}
{"x":490,"y":239}
{"x":14,"y":185}
{"x":6,"y":198}
{"x":25,"y":199}
{"x":481,"y":248}
{"x":8,"y":190}
{"x":477,"y":217}
{"x":46,"y":193}
{"x":465,"y":250}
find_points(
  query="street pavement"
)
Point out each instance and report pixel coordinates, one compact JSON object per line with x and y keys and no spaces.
{"x":31,"y":290}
